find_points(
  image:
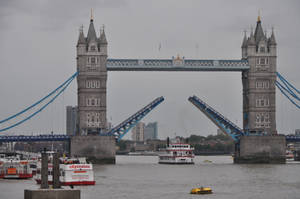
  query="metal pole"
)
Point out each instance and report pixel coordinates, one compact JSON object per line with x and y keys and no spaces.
{"x":55,"y":177}
{"x":44,"y":171}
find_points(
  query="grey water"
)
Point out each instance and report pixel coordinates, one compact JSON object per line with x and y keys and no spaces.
{"x":136,"y":177}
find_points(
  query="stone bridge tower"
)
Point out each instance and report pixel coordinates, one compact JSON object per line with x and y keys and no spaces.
{"x":259,"y":104}
{"x":91,"y":81}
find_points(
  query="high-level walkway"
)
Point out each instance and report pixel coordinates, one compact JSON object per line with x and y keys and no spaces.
{"x":176,"y":64}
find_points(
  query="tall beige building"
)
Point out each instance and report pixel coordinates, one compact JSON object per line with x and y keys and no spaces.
{"x":259,"y":103}
{"x":138,"y":132}
{"x":91,"y":81}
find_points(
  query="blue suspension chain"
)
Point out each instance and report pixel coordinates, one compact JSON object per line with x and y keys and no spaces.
{"x":63,"y":86}
{"x":287,"y":89}
{"x":283,"y":92}
{"x":41,"y":100}
{"x":284,"y":80}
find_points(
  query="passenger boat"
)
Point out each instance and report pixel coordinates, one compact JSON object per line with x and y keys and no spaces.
{"x":14,"y":168}
{"x":75,"y":171}
{"x":177,"y":153}
{"x":289,"y":155}
{"x":32,"y":165}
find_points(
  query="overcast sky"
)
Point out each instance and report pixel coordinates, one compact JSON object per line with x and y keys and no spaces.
{"x":38,"y":50}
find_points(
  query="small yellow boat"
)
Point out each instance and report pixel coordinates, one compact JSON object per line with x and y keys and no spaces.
{"x":201,"y":190}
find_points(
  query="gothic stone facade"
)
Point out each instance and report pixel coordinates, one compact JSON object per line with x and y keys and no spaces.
{"x":91,"y":81}
{"x":259,"y":82}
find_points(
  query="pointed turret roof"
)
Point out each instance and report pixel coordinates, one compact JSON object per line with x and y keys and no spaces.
{"x":91,"y":32}
{"x":103,"y":37}
{"x":81,"y":39}
{"x":244,"y":45}
{"x":259,"y":33}
{"x":251,"y":40}
{"x":272,"y":40}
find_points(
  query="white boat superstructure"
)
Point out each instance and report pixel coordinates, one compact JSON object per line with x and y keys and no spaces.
{"x":177,"y":153}
{"x":75,"y":171}
{"x":14,"y":167}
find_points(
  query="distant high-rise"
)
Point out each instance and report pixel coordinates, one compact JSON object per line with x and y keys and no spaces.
{"x":71,"y":120}
{"x":150,"y":131}
{"x":138,"y":132}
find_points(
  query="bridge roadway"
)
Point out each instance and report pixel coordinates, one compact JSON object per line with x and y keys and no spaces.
{"x":176,"y":64}
{"x":60,"y":137}
{"x":35,"y":138}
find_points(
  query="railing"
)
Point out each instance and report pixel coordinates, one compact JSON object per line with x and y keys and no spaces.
{"x":222,"y":122}
{"x":120,"y":130}
{"x":31,"y":138}
{"x":176,"y":65}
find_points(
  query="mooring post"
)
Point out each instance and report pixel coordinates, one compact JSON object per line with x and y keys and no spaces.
{"x":56,"y":183}
{"x":44,"y":171}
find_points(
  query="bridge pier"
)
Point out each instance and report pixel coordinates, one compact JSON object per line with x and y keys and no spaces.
{"x":261,"y":149}
{"x":97,"y":149}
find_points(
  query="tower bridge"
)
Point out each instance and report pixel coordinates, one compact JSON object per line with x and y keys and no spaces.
{"x":258,"y":67}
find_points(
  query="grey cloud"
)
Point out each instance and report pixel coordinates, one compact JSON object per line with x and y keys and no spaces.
{"x":37,"y":52}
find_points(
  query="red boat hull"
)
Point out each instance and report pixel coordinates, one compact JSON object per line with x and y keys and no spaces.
{"x":70,"y":183}
{"x":17,"y":176}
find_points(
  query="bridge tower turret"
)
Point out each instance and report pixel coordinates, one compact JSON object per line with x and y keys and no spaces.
{"x":259,"y":103}
{"x":91,"y":81}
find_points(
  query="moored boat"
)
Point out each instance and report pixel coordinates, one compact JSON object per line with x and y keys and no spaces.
{"x":289,"y":155}
{"x":14,"y":168}
{"x":75,"y":171}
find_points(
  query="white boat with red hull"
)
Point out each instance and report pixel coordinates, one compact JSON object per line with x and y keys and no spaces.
{"x":72,"y":172}
{"x":14,"y":168}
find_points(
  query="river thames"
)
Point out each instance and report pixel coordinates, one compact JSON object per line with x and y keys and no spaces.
{"x":136,"y":177}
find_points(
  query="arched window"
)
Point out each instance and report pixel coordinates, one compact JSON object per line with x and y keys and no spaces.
{"x":93,"y":48}
{"x":93,"y":60}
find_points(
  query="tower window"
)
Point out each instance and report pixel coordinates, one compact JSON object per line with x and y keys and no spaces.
{"x":93,"y":60}
{"x":262,"y":49}
{"x":262,"y":101}
{"x":88,"y":84}
{"x":93,"y":101}
{"x":92,"y":84}
{"x":262,"y":120}
{"x":93,"y":48}
{"x":262,"y":61}
{"x":262,"y":84}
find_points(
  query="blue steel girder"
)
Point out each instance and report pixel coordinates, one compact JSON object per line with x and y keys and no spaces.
{"x":176,"y":64}
{"x":120,"y":130}
{"x":292,"y":138}
{"x":32,"y":138}
{"x":218,"y":119}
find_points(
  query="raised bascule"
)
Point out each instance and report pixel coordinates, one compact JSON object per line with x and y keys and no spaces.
{"x":258,"y":67}
{"x":257,"y":142}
